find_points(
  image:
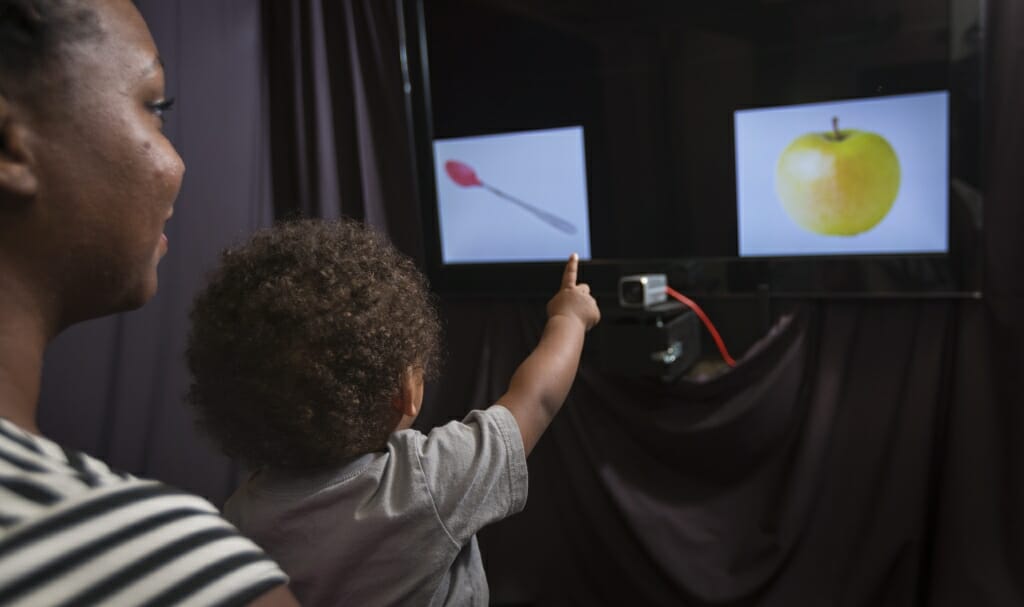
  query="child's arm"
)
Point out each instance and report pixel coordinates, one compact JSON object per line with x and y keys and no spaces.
{"x":540,"y":384}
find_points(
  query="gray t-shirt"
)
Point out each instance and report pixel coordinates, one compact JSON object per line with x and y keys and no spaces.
{"x":395,"y":527}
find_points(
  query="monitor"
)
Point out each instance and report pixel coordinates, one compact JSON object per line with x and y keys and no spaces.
{"x":800,"y":149}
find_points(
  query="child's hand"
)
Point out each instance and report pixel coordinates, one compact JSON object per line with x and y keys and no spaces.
{"x":574,"y":300}
{"x":540,"y":385}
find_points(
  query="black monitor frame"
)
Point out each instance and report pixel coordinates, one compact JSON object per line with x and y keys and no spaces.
{"x":957,"y":274}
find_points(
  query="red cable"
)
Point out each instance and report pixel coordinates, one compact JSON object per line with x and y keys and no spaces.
{"x":707,"y":323}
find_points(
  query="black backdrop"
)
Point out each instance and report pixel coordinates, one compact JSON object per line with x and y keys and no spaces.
{"x":865,"y":453}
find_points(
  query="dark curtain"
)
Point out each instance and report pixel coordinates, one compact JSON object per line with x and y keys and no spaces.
{"x":338,"y":134}
{"x":979,"y":537}
{"x":804,"y":477}
{"x":861,"y":454}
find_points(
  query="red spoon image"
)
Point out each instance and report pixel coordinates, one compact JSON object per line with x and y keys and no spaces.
{"x":464,"y":175}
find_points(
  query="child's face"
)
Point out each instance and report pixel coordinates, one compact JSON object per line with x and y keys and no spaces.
{"x":405,"y":423}
{"x":409,"y":399}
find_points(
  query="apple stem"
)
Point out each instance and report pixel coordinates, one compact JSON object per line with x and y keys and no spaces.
{"x":835,"y":128}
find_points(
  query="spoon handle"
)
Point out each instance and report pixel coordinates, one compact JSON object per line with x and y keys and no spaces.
{"x":550,"y":218}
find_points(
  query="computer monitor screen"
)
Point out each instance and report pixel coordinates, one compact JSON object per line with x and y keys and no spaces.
{"x":512,"y":197}
{"x":850,"y":177}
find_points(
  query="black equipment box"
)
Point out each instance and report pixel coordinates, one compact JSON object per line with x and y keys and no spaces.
{"x":661,"y":341}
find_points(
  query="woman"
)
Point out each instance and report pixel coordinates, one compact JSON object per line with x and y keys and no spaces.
{"x":87,"y":181}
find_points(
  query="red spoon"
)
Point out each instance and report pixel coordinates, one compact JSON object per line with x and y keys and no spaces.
{"x":464,"y":175}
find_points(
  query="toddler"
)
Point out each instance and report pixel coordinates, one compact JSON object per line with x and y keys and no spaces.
{"x":309,"y":350}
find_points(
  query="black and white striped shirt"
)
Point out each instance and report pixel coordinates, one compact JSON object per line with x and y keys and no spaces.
{"x":74,"y":532}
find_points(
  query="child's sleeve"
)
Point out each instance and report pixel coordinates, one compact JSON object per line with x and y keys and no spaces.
{"x":475,"y":471}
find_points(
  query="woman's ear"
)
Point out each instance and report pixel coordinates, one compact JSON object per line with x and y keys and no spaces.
{"x":17,"y":175}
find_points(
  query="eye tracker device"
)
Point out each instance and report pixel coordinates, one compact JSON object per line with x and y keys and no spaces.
{"x":642,"y":290}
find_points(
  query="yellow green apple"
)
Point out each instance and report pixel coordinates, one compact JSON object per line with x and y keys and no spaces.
{"x":839,"y":182}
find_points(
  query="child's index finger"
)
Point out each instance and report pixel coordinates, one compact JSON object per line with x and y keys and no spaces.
{"x":569,"y":276}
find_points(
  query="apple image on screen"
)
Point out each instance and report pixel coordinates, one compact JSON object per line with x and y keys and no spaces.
{"x":839,"y":182}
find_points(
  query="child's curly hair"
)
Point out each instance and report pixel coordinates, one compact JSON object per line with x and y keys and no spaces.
{"x":301,"y":340}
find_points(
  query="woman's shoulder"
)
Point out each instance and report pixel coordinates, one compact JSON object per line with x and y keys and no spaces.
{"x":42,"y":481}
{"x":27,"y":456}
{"x":72,"y":530}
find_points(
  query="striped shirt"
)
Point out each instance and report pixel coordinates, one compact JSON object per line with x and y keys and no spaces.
{"x":74,"y":532}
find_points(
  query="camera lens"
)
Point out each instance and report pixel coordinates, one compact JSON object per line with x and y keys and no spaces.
{"x":632,"y":293}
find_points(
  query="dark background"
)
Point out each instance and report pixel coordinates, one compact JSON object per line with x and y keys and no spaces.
{"x":862,"y":453}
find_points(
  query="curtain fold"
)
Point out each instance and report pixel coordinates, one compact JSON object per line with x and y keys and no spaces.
{"x":339,"y":136}
{"x":979,"y":537}
{"x":806,"y":483}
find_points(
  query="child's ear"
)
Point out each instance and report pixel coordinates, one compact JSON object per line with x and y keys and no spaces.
{"x":17,"y":175}
{"x":410,"y":394}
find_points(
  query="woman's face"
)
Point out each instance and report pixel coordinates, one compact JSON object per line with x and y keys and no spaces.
{"x":107,"y":176}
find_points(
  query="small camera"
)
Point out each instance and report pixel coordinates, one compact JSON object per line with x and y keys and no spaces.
{"x":642,"y":290}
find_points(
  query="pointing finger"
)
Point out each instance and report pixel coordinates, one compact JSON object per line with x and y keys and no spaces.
{"x":569,"y":277}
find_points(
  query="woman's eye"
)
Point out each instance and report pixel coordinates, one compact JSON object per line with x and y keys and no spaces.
{"x":161,"y":107}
